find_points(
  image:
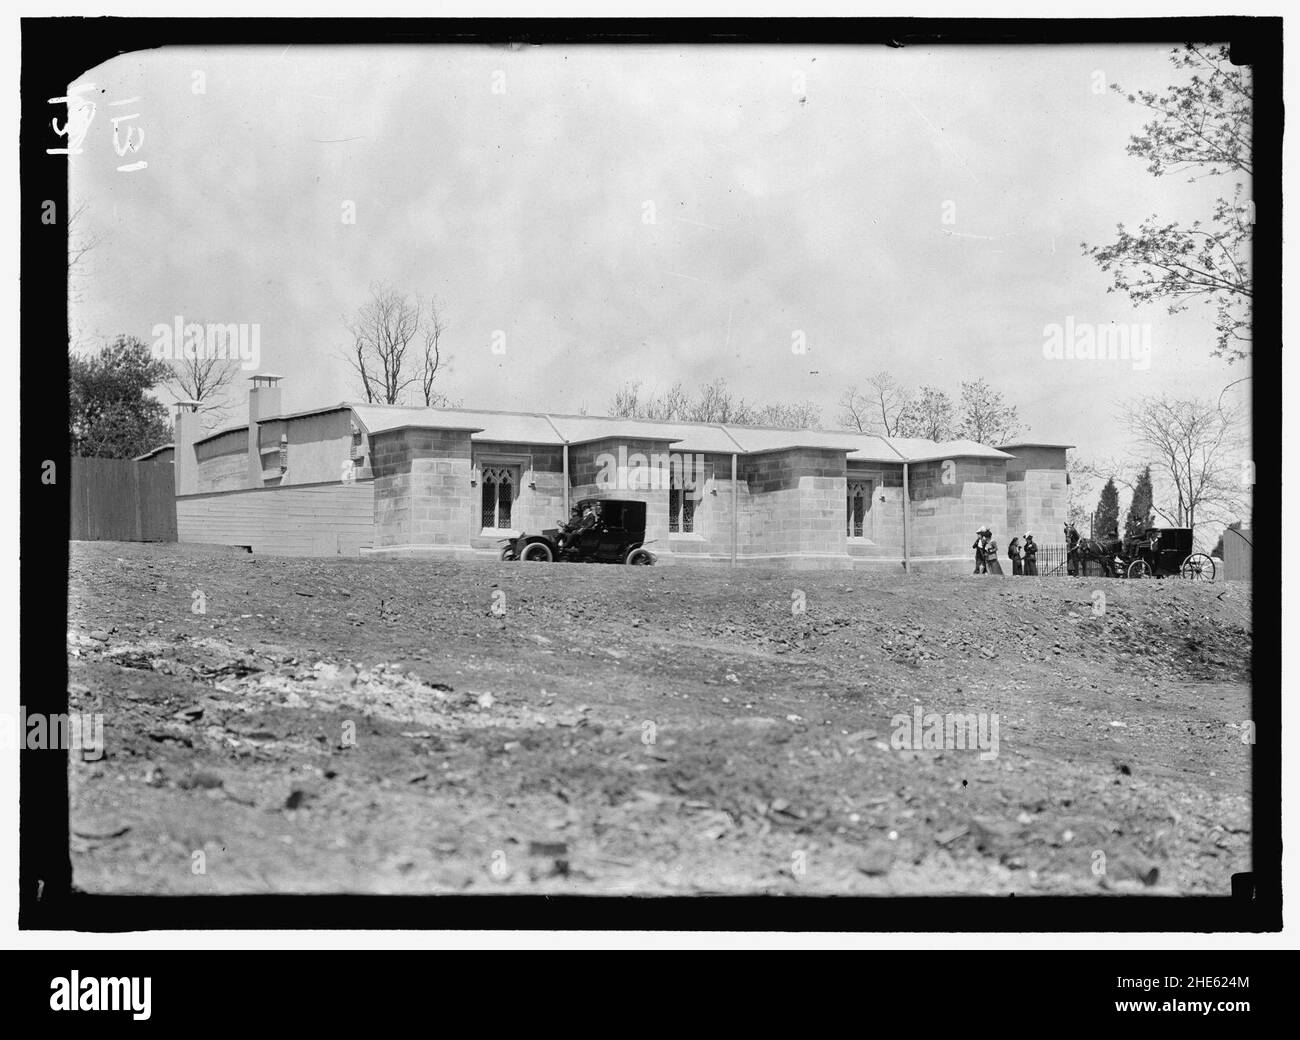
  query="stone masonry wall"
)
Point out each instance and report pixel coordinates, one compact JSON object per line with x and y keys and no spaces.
{"x":1037,"y":503}
{"x":882,"y":541}
{"x":796,"y":508}
{"x":534,"y":509}
{"x":423,"y":497}
{"x":950,"y":499}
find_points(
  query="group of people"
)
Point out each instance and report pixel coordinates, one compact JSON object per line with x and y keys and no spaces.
{"x":1023,"y":555}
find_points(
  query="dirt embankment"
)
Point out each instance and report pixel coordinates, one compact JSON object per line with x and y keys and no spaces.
{"x":290,"y":725}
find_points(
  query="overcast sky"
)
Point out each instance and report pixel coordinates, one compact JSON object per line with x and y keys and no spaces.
{"x":793,"y":189}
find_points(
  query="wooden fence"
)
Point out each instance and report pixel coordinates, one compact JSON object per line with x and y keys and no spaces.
{"x":1238,"y":553}
{"x":123,"y":500}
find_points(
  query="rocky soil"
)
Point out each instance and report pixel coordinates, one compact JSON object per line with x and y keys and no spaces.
{"x":342,"y":725}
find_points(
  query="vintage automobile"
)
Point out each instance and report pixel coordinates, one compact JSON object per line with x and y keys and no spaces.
{"x":618,"y":536}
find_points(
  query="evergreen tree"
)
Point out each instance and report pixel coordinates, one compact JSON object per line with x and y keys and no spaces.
{"x":1140,"y":508}
{"x":1105,"y":523}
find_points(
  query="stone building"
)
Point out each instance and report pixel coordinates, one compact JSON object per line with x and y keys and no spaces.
{"x":355,"y":478}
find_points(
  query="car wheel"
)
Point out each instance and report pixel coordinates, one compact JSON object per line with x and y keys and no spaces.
{"x":506,"y":554}
{"x":639,"y":558}
{"x":535,"y":552}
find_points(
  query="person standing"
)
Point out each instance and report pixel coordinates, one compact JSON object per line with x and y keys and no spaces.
{"x":1014,"y":554}
{"x":980,"y":568}
{"x":1031,"y":556}
{"x":991,"y":553}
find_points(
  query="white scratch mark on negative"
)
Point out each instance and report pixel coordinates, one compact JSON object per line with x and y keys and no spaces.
{"x":943,"y":140}
{"x":689,"y":277}
{"x":983,"y":238}
{"x":698,"y":223}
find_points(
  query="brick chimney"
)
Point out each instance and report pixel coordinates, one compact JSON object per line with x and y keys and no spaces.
{"x":263,"y":403}
{"x":188,"y":430}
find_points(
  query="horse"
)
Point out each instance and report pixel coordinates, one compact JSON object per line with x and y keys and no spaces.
{"x":1103,"y":551}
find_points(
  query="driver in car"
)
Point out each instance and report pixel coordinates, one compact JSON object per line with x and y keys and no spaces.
{"x":590,"y":519}
{"x":569,"y":528}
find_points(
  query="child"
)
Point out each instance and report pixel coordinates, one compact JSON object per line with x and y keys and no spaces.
{"x":979,"y":552}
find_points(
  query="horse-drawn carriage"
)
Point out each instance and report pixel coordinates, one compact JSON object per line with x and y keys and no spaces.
{"x":1164,"y":552}
{"x":1161,"y":552}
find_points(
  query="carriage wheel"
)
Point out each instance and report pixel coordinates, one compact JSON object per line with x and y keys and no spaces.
{"x":1198,"y":567}
{"x":1139,"y":569}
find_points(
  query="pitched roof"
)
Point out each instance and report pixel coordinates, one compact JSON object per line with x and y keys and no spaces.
{"x":222,"y":432}
{"x":720,"y":438}
{"x":918,"y":450}
{"x":380,"y":418}
{"x":756,"y":439}
{"x":150,"y":454}
{"x":548,"y":428}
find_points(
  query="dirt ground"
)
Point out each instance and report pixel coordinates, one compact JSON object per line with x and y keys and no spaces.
{"x":277,"y":725}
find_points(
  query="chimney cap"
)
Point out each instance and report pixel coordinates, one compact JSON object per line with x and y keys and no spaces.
{"x":270,"y":377}
{"x":192,"y":405}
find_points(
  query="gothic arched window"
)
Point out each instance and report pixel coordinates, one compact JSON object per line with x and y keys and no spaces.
{"x":499,"y":484}
{"x":857,"y":504}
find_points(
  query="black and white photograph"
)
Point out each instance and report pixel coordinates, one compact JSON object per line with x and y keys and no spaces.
{"x":547,"y":466}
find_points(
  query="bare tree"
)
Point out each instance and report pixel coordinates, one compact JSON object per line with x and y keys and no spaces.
{"x":1079,"y":483}
{"x":985,"y":419}
{"x":876,"y":409}
{"x":712,"y":402}
{"x":208,"y":380}
{"x":383,"y":331}
{"x":434,"y":326}
{"x":794,"y":415}
{"x":855,"y":410}
{"x":1195,"y":452}
{"x":930,"y":414}
{"x":80,"y":242}
{"x":626,"y":403}
{"x":715,"y":402}
{"x":674,"y":404}
{"x":1197,"y":446}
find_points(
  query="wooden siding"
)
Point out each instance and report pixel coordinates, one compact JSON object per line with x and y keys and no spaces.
{"x":122,"y":500}
{"x":1238,"y":555}
{"x":292,"y":520}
